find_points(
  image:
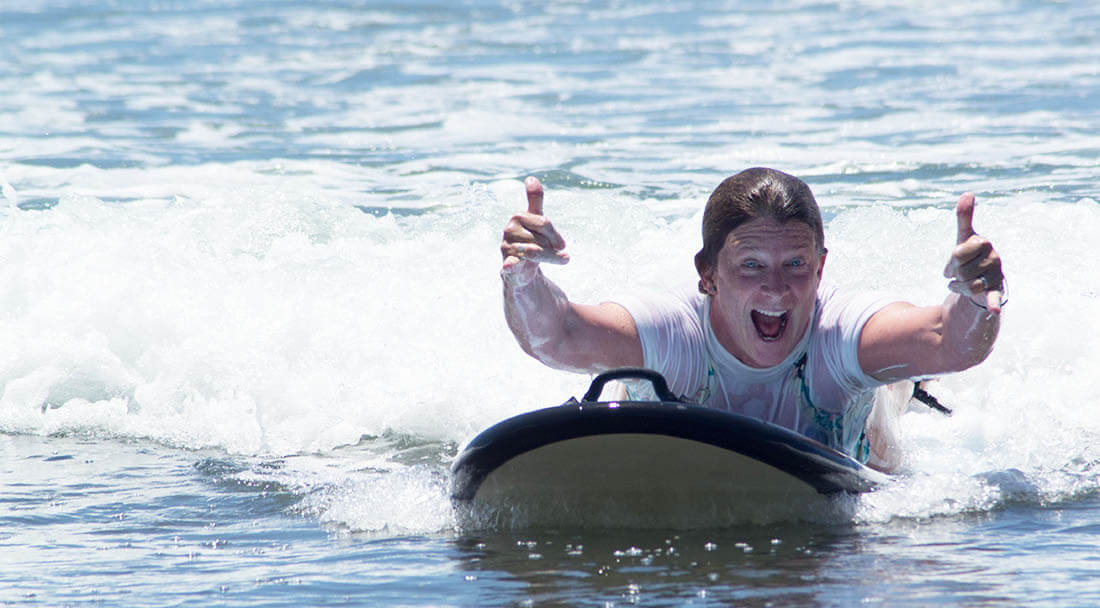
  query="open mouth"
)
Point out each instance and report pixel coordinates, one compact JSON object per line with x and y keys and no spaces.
{"x":769,"y":324}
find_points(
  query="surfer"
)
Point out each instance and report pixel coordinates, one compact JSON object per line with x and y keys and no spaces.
{"x":763,"y":335}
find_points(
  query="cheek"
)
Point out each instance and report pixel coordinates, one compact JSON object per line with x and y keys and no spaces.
{"x":806,"y":289}
{"x":807,"y":282}
{"x":736,"y":287}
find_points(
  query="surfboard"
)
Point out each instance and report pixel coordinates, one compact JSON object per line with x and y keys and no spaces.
{"x":659,"y":463}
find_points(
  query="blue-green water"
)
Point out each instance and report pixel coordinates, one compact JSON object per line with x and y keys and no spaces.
{"x":250,"y":308}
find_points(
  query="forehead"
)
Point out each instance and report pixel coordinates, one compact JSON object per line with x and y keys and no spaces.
{"x":767,"y":233}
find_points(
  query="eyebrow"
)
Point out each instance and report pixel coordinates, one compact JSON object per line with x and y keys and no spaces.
{"x":752,"y":243}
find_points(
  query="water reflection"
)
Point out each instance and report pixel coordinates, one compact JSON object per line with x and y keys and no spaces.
{"x":750,"y":565}
{"x":988,"y":559}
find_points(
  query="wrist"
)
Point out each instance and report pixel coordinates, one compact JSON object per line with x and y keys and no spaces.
{"x":520,"y":274}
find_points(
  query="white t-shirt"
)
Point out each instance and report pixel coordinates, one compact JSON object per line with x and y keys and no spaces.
{"x":831,"y":405}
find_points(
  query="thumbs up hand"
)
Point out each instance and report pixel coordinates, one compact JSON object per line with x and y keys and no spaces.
{"x":530,"y":238}
{"x":975,"y":267}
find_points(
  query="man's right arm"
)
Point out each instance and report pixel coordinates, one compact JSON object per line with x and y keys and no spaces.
{"x":562,"y":334}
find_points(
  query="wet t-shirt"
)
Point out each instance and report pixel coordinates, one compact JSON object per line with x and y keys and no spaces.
{"x":819,"y":390}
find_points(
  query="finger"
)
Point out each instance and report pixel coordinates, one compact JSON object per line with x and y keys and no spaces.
{"x":524,"y":263}
{"x":977,"y":286}
{"x":533,"y":253}
{"x":975,"y":257}
{"x":511,"y":263}
{"x":950,"y":271}
{"x":977,"y":291}
{"x":534,"y":195}
{"x":970,"y":258}
{"x":546,"y":235}
{"x":993,"y":301}
{"x":974,"y":288}
{"x":964,"y":214}
{"x":527,"y":228}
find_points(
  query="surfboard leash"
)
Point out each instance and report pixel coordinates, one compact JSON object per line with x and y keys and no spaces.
{"x":928,"y":399}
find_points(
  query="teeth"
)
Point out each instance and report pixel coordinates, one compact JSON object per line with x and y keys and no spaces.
{"x":770,"y":313}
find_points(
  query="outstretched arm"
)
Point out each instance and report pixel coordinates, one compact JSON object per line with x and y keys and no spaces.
{"x":550,"y":328}
{"x":905,"y":341}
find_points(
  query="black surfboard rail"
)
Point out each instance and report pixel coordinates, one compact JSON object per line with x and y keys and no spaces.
{"x":825,"y":469}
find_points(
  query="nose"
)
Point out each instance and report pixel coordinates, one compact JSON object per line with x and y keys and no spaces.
{"x":775,"y":281}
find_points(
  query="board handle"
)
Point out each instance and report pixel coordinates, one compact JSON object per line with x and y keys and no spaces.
{"x":635,"y":373}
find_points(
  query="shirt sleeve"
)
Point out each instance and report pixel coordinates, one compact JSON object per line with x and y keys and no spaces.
{"x":843,"y":317}
{"x":672,"y":338}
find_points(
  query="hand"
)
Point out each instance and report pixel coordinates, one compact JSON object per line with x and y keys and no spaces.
{"x":975,"y":267}
{"x":530,"y":238}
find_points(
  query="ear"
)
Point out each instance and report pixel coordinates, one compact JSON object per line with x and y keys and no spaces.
{"x":821,"y":263}
{"x":706,"y":275}
{"x":707,"y":285}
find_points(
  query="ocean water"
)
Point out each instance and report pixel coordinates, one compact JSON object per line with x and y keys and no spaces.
{"x":250,"y":311}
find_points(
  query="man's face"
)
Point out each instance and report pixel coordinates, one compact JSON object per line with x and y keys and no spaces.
{"x":764,"y":288}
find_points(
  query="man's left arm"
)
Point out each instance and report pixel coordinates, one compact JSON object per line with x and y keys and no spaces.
{"x":905,"y":341}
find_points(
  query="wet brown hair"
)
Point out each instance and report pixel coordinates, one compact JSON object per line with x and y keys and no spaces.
{"x":755,"y":193}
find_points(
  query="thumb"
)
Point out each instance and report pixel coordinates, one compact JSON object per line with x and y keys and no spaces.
{"x":964,"y":213}
{"x":534,"y":195}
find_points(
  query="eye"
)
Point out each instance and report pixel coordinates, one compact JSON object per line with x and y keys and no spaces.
{"x":751,"y":264}
{"x":797,"y":263}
